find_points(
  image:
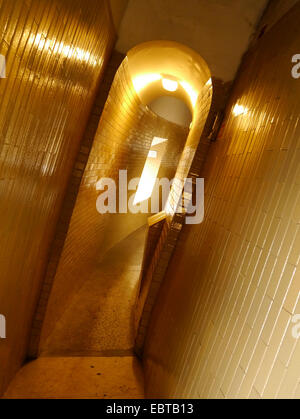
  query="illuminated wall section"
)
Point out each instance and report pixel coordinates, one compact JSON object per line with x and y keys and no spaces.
{"x":123,"y":140}
{"x":224,"y":322}
{"x":55,"y":54}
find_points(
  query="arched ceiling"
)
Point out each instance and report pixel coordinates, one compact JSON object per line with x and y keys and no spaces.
{"x":151,"y":62}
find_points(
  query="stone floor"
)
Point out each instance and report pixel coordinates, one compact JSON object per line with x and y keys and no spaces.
{"x":99,"y":319}
{"x":90,"y":352}
{"x":79,"y":377}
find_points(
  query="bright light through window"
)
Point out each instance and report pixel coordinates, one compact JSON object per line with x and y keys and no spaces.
{"x":158,"y":140}
{"x":152,"y":154}
{"x":151,"y":168}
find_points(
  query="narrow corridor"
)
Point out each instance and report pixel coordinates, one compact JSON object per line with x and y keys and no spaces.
{"x":150,"y":199}
{"x":99,"y":321}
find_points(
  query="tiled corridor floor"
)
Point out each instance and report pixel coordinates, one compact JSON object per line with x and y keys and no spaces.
{"x":90,"y":352}
{"x":99,"y":320}
{"x":79,"y":377}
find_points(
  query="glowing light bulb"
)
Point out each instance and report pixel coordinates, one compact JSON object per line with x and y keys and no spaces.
{"x":239,"y":110}
{"x":170,"y":85}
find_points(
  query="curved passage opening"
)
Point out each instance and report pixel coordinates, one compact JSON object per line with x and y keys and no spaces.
{"x":103,"y":277}
{"x":172,"y":109}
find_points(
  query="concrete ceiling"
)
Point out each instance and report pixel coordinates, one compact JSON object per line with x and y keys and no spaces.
{"x":219,"y":30}
{"x":118,"y":8}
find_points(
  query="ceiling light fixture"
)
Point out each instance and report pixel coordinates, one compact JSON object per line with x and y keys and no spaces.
{"x":170,"y":85}
{"x":239,"y":110}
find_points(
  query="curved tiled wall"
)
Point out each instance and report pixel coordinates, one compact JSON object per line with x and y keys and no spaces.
{"x":55,"y":53}
{"x":222,"y":325}
{"x":123,"y":139}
